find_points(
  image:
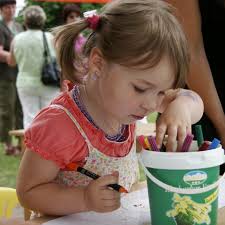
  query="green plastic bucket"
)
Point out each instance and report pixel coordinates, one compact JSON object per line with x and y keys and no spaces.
{"x":183,"y":187}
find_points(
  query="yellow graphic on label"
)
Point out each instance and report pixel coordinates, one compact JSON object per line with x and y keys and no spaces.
{"x":212,"y":197}
{"x":188,"y":212}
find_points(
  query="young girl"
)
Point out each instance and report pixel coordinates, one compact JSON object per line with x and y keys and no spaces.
{"x":135,"y":54}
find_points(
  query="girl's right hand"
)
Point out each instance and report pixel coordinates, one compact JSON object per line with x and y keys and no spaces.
{"x":99,"y":197}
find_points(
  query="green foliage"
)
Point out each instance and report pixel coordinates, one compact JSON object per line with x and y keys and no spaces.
{"x":89,"y":6}
{"x":8,"y":167}
{"x":54,"y":10}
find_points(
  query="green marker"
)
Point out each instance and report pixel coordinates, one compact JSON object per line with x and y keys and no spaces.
{"x":199,"y":134}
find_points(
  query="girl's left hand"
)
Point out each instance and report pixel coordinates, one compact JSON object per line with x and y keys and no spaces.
{"x":175,"y":121}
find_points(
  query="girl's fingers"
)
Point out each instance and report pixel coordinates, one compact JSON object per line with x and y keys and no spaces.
{"x":160,"y":134}
{"x":181,"y":134}
{"x":172,"y":138}
{"x":103,"y":181}
{"x":108,"y":194}
{"x":188,"y":129}
{"x":111,"y":203}
{"x":111,"y":207}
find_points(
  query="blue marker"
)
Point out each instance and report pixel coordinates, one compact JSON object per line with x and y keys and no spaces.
{"x":214,"y":144}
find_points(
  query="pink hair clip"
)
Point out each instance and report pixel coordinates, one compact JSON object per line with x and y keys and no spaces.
{"x":92,"y":18}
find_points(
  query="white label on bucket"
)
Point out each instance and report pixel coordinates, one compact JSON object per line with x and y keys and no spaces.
{"x":195,"y":177}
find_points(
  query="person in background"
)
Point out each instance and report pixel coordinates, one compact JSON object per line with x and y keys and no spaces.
{"x":10,"y":108}
{"x":203,"y":22}
{"x":72,"y":13}
{"x":93,"y":125}
{"x":27,"y":52}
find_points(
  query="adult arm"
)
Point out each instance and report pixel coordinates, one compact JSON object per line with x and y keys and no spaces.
{"x":200,"y":76}
{"x":11,"y":58}
{"x":3,"y":54}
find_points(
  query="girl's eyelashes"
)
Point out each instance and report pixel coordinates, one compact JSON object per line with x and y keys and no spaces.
{"x":142,"y":90}
{"x":162,"y":93}
{"x":139,"y":90}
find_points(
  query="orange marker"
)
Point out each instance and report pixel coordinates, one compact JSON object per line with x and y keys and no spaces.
{"x":74,"y":166}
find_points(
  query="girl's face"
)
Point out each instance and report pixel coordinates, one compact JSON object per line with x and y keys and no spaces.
{"x":130,"y":94}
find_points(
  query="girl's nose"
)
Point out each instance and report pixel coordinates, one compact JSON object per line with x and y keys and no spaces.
{"x":149,"y":105}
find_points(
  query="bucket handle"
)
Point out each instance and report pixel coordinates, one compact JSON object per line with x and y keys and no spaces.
{"x":179,"y":190}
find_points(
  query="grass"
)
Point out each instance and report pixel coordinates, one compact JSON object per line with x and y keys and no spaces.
{"x":8,"y":169}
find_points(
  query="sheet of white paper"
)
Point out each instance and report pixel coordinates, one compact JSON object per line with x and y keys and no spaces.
{"x":134,"y":210}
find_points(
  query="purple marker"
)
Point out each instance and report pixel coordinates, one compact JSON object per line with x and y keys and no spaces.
{"x":153,"y":144}
{"x":187,"y":143}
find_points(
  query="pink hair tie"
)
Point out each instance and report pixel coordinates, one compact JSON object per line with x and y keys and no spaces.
{"x":92,"y":18}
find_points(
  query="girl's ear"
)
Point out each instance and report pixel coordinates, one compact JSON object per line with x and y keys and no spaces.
{"x":96,"y":61}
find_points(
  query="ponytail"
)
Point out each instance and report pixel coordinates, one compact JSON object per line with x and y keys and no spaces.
{"x":68,"y":59}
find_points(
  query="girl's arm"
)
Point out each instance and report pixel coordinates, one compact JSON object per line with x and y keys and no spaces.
{"x":37,"y":190}
{"x":200,"y":77}
{"x":180,"y":109}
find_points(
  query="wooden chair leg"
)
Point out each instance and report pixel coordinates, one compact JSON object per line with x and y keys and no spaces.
{"x":27,"y":214}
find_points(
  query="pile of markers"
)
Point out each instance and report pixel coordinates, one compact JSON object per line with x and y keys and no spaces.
{"x":149,"y":142}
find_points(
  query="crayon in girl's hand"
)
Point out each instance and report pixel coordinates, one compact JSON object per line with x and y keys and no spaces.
{"x":76,"y":167}
{"x":214,"y":144}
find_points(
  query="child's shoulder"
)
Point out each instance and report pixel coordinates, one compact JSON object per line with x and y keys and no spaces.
{"x":53,"y":134}
{"x":52,"y":122}
{"x":54,"y":116}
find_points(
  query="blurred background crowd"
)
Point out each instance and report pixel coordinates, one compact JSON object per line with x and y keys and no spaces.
{"x":22,"y":94}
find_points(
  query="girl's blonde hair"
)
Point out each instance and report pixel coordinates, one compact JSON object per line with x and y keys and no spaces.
{"x":132,"y":33}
